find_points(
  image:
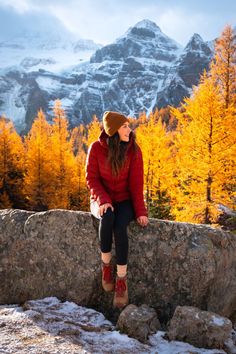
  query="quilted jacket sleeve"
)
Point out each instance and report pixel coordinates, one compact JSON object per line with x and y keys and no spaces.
{"x":93,"y":178}
{"x":136,"y":184}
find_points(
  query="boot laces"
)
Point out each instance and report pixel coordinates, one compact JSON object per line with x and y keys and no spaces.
{"x":120,"y":287}
{"x":107,"y":273}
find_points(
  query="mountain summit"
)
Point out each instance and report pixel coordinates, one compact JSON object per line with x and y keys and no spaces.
{"x":144,"y":40}
{"x":141,"y":70}
{"x":145,"y":28}
{"x":196,"y":43}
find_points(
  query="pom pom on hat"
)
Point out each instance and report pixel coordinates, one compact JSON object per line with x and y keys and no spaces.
{"x":112,"y":121}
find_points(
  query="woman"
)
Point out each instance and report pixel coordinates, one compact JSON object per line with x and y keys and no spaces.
{"x":114,"y":174}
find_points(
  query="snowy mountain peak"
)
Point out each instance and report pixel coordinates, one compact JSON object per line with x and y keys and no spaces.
{"x":196,"y":38}
{"x":144,"y":40}
{"x":150,"y":25}
{"x":141,"y":70}
{"x":144,"y":29}
{"x":196,"y":43}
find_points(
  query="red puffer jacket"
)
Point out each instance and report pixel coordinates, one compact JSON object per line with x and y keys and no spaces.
{"x":107,"y":188}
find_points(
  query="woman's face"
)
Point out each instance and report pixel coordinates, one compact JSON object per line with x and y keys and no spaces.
{"x":124,"y":132}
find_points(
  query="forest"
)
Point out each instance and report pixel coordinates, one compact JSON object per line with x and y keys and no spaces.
{"x":188,"y":152}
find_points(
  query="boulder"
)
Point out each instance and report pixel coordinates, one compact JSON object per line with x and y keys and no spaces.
{"x":56,"y":253}
{"x":202,"y":329}
{"x":138,"y":322}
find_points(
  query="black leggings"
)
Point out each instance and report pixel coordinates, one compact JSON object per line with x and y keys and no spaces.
{"x":116,"y":221}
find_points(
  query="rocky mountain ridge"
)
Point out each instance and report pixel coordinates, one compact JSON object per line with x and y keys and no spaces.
{"x":141,"y":70}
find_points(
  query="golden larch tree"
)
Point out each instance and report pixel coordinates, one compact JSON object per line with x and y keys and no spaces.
{"x":223,"y":65}
{"x":94,"y":130}
{"x":11,"y":166}
{"x":64,"y":181}
{"x":39,"y":169}
{"x":154,"y":141}
{"x":203,"y":145}
{"x":223,"y":72}
{"x":78,"y":138}
{"x":80,"y":199}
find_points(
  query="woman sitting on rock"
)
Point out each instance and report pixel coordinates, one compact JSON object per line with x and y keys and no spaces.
{"x":114,"y":174}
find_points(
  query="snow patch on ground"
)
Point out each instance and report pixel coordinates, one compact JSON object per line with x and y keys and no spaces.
{"x":51,"y":326}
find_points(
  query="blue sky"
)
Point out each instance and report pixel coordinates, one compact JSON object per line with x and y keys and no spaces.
{"x":105,"y":20}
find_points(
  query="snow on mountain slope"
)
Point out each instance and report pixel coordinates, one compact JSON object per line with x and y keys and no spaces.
{"x":144,"y":40}
{"x":50,"y":51}
{"x":141,"y":70}
{"x":12,"y":105}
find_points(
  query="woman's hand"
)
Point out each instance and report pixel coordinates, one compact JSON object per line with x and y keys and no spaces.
{"x":103,"y":208}
{"x":142,"y":220}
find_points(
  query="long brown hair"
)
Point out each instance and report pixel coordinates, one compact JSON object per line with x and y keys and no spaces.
{"x":117,"y":152}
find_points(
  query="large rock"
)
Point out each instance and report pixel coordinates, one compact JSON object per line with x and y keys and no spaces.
{"x":138,"y":322}
{"x":203,"y":329}
{"x":56,"y":253}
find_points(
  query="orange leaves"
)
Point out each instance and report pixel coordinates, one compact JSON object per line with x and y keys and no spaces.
{"x":223,"y":66}
{"x":188,"y":152}
{"x":11,"y":165}
{"x":154,"y":141}
{"x":45,"y":169}
{"x":206,"y":142}
{"x":204,"y":145}
{"x":52,"y":175}
{"x":94,"y":130}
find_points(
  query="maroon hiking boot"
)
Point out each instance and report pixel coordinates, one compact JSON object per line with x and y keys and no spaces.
{"x":107,"y":277}
{"x":121,"y":292}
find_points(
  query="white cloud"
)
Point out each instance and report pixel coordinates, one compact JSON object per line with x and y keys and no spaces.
{"x":105,"y":20}
{"x":180,"y":25}
{"x":20,"y":6}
